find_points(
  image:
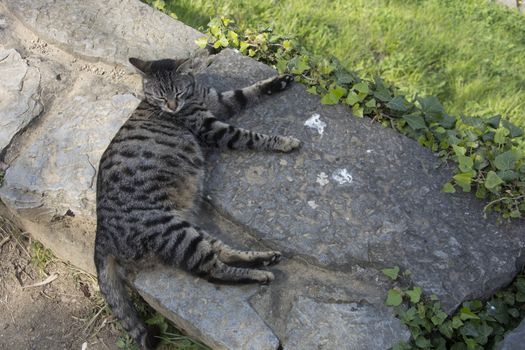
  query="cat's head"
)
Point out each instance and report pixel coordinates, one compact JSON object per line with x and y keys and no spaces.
{"x":168,"y":83}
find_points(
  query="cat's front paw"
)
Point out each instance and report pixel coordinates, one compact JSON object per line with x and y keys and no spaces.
{"x":287,"y":144}
{"x":278,"y":83}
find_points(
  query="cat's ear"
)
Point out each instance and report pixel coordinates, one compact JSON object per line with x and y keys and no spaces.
{"x":143,"y":66}
{"x":184,"y":65}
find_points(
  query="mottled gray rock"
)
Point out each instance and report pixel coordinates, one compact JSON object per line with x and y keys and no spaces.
{"x":19,"y":95}
{"x":317,"y":325}
{"x":107,"y":30}
{"x":222,"y":314}
{"x":514,"y":340}
{"x":51,"y":183}
{"x":391,"y":211}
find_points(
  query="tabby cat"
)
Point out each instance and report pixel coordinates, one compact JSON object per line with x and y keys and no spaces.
{"x":150,"y":180}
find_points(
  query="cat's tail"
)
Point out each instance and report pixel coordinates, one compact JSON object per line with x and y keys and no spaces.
{"x":113,"y":287}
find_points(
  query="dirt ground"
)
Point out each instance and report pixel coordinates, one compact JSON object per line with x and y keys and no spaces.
{"x":65,"y":313}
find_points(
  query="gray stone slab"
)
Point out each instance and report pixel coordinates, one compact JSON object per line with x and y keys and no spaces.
{"x":514,"y":340}
{"x":54,"y":171}
{"x":218,"y":315}
{"x":316,"y":325}
{"x":107,"y":30}
{"x":19,"y":95}
{"x":390,"y":211}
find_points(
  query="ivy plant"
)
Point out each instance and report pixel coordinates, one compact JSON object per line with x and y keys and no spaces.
{"x":475,"y":325}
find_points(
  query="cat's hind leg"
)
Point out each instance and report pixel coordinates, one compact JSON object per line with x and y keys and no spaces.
{"x":185,"y":246}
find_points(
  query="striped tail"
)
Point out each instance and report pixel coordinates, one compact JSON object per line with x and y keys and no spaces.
{"x":113,"y":287}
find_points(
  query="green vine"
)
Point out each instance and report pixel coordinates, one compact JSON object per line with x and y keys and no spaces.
{"x":487,"y":152}
{"x":476,"y":325}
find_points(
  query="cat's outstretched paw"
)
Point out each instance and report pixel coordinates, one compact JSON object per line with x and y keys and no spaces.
{"x":265,"y":277}
{"x":287,"y":144}
{"x":273,"y":258}
{"x":278,"y":84}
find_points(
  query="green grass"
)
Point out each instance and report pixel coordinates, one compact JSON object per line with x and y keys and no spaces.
{"x":468,"y":53}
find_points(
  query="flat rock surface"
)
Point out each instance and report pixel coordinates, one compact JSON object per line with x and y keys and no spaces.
{"x":351,"y":201}
{"x":357,"y":194}
{"x":111,"y":31}
{"x":224,"y":315}
{"x":515,"y":339}
{"x":19,"y":95}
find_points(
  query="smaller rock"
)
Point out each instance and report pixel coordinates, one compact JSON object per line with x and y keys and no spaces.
{"x":19,"y":94}
{"x":219,"y":315}
{"x":322,"y":325}
{"x":515,"y":339}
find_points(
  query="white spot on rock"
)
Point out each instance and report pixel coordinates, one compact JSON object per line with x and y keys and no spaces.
{"x":322,"y":179}
{"x":315,"y":122}
{"x":368,"y":151}
{"x":342,"y":176}
{"x":312,"y":204}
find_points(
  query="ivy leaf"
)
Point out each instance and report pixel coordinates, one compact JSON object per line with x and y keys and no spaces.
{"x":394,"y":298}
{"x":466,"y":314}
{"x":465,"y":163}
{"x":506,"y":160}
{"x":500,"y":136}
{"x":223,"y":42}
{"x":383,"y":95}
{"x":472,"y":121}
{"x":312,"y":90}
{"x":494,"y":121}
{"x":343,"y":77}
{"x":352,"y":98}
{"x":422,"y":342}
{"x":358,"y":110}
{"x":243,"y":46}
{"x":202,"y":42}
{"x":415,"y":121}
{"x":392,"y":273}
{"x":514,"y":130}
{"x":233,"y":37}
{"x":414,"y":294}
{"x":334,"y":95}
{"x":464,"y":180}
{"x":300,"y":65}
{"x":456,"y":322}
{"x":448,"y":188}
{"x":507,"y":175}
{"x":458,"y":150}
{"x":448,"y":121}
{"x":398,"y":103}
{"x":492,"y":180}
{"x":430,"y":105}
{"x":361,"y":87}
{"x":371,"y":103}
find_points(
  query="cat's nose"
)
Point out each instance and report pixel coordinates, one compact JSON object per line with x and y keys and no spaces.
{"x":172,"y":104}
